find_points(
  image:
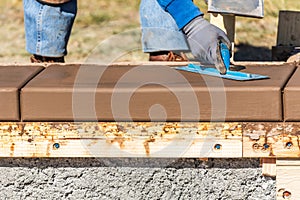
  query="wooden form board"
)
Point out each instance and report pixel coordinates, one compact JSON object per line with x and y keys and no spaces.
{"x":133,"y":139}
{"x":272,"y":140}
{"x":288,"y":38}
{"x":150,"y":139}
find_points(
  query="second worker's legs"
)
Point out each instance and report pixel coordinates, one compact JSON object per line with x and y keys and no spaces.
{"x":47,"y":29}
{"x":161,"y":37}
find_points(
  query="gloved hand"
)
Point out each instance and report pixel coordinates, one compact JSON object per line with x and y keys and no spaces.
{"x":204,"y":40}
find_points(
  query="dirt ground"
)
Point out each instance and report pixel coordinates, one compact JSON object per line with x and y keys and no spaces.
{"x":103,"y":20}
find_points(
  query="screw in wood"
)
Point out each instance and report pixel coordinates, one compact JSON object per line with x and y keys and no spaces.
{"x":287,"y":195}
{"x":266,"y":146}
{"x":289,"y":145}
{"x":218,"y":147}
{"x":56,"y":146}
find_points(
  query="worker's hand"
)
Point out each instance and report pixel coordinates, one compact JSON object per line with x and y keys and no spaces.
{"x":204,"y":40}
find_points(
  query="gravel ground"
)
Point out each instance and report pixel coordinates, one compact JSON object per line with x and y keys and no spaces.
{"x":80,"y":178}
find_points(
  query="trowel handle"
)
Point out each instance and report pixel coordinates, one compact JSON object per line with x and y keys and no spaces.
{"x":225,"y":53}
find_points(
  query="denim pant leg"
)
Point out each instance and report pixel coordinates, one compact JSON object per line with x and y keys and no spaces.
{"x":48,"y":27}
{"x":159,"y":30}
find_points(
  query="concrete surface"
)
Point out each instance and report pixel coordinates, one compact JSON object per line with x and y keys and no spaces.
{"x":139,"y":93}
{"x":291,"y":96}
{"x":12,"y":79}
{"x":82,"y":178}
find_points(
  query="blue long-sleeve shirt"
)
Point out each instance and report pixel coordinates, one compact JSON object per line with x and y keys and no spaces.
{"x":183,"y":11}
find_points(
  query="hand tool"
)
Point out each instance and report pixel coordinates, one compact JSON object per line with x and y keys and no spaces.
{"x":211,"y":71}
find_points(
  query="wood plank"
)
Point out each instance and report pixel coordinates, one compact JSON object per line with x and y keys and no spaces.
{"x":227,"y":24}
{"x":280,"y":140}
{"x":288,"y":162}
{"x":259,"y":139}
{"x":288,"y":179}
{"x":131,"y":139}
{"x":288,"y":28}
{"x":268,"y":167}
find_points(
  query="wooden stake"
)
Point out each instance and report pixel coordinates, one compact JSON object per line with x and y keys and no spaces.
{"x":268,"y":167}
{"x":288,"y":179}
{"x":227,"y":24}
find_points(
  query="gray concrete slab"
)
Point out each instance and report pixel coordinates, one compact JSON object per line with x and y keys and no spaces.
{"x":134,"y":179}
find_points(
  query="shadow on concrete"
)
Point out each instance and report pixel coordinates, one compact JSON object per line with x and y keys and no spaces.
{"x":246,"y":52}
{"x":42,"y":163}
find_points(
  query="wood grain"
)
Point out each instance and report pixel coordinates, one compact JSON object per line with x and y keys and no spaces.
{"x":133,"y":139}
{"x":288,"y":28}
{"x":288,"y":179}
{"x":277,"y":140}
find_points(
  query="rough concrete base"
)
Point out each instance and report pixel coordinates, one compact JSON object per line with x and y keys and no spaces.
{"x":133,"y":179}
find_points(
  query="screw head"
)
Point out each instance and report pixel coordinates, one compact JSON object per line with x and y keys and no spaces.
{"x":218,"y":147}
{"x":266,"y":146}
{"x":288,"y":145}
{"x":56,"y":146}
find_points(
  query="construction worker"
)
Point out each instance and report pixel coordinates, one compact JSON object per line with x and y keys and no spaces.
{"x":178,"y":26}
{"x":48,"y":25}
{"x":168,"y":25}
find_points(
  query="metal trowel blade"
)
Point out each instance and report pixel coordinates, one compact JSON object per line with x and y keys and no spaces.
{"x":232,"y":75}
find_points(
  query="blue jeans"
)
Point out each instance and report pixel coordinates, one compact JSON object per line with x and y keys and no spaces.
{"x":48,"y":27}
{"x":159,"y":30}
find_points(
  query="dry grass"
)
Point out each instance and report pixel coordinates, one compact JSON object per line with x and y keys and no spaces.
{"x":98,"y":20}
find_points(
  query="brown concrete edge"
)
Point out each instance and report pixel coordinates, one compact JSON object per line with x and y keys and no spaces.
{"x":14,"y":110}
{"x":286,"y":91}
{"x":25,"y":83}
{"x":283,"y":105}
{"x":147,"y":63}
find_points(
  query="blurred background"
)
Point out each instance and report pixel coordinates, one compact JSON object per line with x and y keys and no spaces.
{"x":98,"y":20}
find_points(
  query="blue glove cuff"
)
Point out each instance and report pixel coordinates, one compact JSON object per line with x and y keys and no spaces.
{"x":183,"y":11}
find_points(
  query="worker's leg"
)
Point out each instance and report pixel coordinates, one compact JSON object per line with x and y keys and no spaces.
{"x":48,"y":28}
{"x":159,"y":30}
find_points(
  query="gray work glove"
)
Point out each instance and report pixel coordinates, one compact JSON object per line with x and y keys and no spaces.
{"x":204,"y":40}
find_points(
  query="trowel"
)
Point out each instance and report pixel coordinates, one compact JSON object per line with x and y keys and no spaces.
{"x":249,"y":8}
{"x":229,"y":74}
